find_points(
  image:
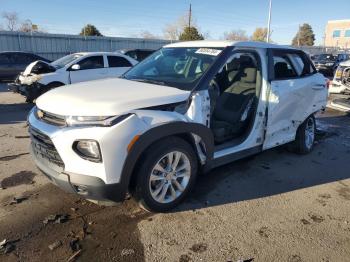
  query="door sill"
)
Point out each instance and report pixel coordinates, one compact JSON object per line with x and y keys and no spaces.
{"x":235,"y":156}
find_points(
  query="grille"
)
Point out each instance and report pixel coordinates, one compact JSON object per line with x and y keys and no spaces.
{"x":44,"y":148}
{"x":50,"y":118}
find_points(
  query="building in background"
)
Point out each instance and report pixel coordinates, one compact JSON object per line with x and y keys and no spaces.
{"x":338,"y":34}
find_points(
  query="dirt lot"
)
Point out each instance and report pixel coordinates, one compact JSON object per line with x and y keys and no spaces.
{"x":276,"y":206}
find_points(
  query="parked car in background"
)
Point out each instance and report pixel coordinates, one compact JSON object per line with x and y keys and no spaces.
{"x":138,"y":54}
{"x":190,"y":106}
{"x":341,"y":81}
{"x":324,"y":63}
{"x":39,"y":77}
{"x":12,"y":63}
{"x":340,"y":58}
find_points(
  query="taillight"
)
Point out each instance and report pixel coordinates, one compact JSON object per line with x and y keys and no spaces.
{"x":328,"y":83}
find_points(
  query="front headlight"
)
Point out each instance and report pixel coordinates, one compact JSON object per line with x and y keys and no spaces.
{"x":95,"y":120}
{"x":329,"y":64}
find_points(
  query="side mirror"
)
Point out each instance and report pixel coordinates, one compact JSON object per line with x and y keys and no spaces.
{"x":75,"y":67}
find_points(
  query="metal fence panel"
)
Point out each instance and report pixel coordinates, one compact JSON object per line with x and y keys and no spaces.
{"x":53,"y":46}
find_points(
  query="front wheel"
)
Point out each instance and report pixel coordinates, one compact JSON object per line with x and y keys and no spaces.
{"x":166,"y":175}
{"x":305,"y":137}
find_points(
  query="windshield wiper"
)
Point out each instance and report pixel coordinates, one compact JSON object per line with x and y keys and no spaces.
{"x":150,"y":81}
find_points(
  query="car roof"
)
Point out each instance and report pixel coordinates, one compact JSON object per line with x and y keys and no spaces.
{"x":16,"y":52}
{"x":97,"y":53}
{"x":225,"y":43}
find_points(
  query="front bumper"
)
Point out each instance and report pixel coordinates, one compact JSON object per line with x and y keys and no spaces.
{"x":53,"y":153}
{"x":31,"y":91}
{"x":92,"y":188}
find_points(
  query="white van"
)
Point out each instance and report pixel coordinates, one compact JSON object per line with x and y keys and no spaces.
{"x":185,"y":109}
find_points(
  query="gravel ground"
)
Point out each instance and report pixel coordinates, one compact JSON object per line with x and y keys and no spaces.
{"x":276,"y":206}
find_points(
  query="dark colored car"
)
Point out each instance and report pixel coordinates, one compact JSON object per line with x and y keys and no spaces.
{"x":138,"y":54}
{"x":340,"y":58}
{"x":12,"y":63}
{"x":324,"y":63}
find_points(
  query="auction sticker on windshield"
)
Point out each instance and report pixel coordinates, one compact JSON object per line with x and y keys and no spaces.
{"x":208,"y":51}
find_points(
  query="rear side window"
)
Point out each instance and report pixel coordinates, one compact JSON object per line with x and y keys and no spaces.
{"x":118,"y":61}
{"x":92,"y":62}
{"x":283,"y":67}
{"x":291,"y":64}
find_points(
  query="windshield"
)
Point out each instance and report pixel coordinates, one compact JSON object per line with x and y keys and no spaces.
{"x":180,"y":67}
{"x":326,"y":57}
{"x":59,"y":63}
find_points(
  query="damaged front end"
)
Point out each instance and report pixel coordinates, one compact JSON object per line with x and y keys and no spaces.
{"x":341,"y":81}
{"x":27,"y":83}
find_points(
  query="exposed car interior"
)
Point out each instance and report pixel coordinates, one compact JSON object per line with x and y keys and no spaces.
{"x":234,"y":94}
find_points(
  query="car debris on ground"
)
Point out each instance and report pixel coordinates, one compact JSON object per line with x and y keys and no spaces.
{"x":56,"y":219}
{"x":7,"y":246}
{"x":55,"y":245}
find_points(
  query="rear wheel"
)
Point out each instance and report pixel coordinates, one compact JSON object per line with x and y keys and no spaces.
{"x":166,"y":175}
{"x":305,"y":137}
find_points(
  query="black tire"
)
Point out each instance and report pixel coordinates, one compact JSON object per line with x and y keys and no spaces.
{"x":150,"y":158}
{"x":301,"y":144}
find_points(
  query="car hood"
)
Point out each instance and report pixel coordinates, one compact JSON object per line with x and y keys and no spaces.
{"x":345,"y":63}
{"x":107,"y":97}
{"x":38,"y":67}
{"x":324,"y":61}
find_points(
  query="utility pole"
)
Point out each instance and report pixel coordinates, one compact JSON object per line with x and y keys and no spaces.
{"x":269,"y":24}
{"x":190,"y":16}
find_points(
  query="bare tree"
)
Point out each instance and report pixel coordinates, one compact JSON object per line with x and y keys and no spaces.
{"x":26,"y":26}
{"x":11,"y":19}
{"x":236,"y":35}
{"x":172,"y":31}
{"x":148,"y":35}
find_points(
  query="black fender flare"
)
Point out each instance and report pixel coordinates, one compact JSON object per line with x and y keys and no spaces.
{"x":169,"y":129}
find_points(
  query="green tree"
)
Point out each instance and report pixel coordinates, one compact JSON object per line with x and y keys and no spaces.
{"x":190,"y":33}
{"x":260,"y":34}
{"x":304,"y":37}
{"x":90,"y":30}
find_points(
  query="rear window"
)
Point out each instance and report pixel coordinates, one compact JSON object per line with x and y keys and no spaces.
{"x":118,"y":61}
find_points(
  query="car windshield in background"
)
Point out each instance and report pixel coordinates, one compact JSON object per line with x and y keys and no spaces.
{"x":326,"y":57}
{"x":63,"y":61}
{"x":178,"y":67}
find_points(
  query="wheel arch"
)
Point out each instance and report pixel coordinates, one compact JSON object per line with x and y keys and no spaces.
{"x":55,"y":82}
{"x":179,"y":129}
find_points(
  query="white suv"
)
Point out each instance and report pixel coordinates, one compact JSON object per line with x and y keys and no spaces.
{"x":39,"y":76}
{"x":189,"y":107}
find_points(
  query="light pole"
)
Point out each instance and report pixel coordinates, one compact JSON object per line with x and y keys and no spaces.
{"x":269,"y":23}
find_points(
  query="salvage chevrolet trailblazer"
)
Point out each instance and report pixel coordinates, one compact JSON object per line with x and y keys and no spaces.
{"x":185,"y":109}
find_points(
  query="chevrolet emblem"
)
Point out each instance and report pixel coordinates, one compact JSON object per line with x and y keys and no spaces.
{"x":40,"y":114}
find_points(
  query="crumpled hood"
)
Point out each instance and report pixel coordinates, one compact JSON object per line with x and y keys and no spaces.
{"x":34,"y":72}
{"x":107,"y":97}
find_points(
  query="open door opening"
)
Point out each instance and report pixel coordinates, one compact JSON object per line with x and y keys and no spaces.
{"x":234,"y":93}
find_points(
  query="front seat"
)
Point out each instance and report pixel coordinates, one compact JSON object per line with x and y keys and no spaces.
{"x":233,"y":107}
{"x":281,"y":70}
